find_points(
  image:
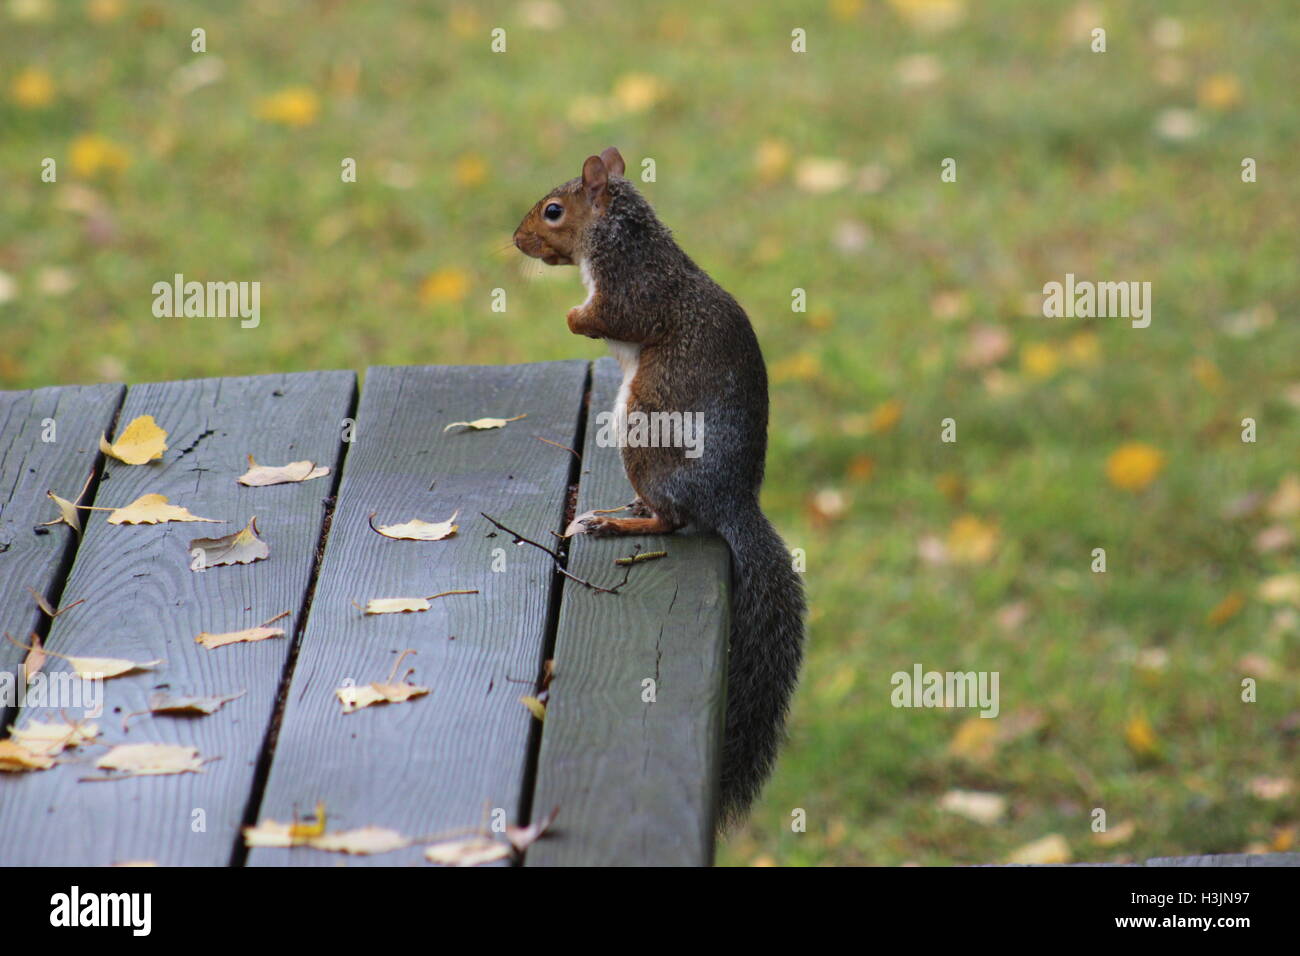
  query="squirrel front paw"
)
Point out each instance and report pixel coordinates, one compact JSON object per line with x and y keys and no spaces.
{"x":580,"y":323}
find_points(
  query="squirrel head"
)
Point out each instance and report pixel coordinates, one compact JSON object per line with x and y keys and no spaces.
{"x":555,"y":229}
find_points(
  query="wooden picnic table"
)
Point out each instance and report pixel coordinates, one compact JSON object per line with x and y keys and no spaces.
{"x":633,"y":778}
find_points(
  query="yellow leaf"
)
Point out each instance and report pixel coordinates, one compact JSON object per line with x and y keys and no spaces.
{"x":885,"y":416}
{"x":1141,"y":737}
{"x":1052,"y":848}
{"x":293,"y":106}
{"x":535,"y":707}
{"x":471,"y":170}
{"x":800,"y":367}
{"x":1039,"y":360}
{"x":771,"y":160}
{"x":67,"y":512}
{"x":445,"y":285}
{"x":91,"y":153}
{"x":975,"y":740}
{"x":259,"y":476}
{"x":396,"y":605}
{"x":1221,"y":91}
{"x":930,"y":16}
{"x":15,"y":758}
{"x":1115,"y":835}
{"x":356,"y":697}
{"x":1134,"y":465}
{"x":363,"y":841}
{"x":638,"y":92}
{"x":972,"y":540}
{"x":141,"y":441}
{"x":479,"y":424}
{"x":1207,"y":374}
{"x":32,"y":89}
{"x":153,"y":509}
{"x":1226,"y":609}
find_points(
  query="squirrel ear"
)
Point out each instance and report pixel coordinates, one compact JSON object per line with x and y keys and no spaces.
{"x":594,"y":177}
{"x":613,"y":160}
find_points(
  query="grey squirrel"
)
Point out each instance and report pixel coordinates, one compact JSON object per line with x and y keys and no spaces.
{"x":685,"y":345}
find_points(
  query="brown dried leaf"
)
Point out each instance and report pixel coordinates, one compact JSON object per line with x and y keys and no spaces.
{"x":153,"y":509}
{"x":50,"y":740}
{"x":160,"y":702}
{"x":141,"y":441}
{"x":241,"y":547}
{"x":355,"y":698}
{"x":259,"y":633}
{"x":259,"y":476}
{"x":35,"y":659}
{"x":399,"y":605}
{"x":102,"y":668}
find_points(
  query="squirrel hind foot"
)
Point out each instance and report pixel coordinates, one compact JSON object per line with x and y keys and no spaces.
{"x":600,"y":525}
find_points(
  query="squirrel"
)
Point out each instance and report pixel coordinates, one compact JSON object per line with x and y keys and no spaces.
{"x":685,"y":345}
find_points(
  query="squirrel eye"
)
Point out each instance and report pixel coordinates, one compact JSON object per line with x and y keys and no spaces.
{"x":553,"y":212}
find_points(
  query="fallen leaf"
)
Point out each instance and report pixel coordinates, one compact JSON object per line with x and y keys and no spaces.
{"x":259,"y":633}
{"x":102,"y":668}
{"x":1115,"y":835}
{"x":1052,"y":848}
{"x":153,"y":509}
{"x":241,"y":547}
{"x":535,"y":707}
{"x":1270,"y":788}
{"x":68,"y":509}
{"x":363,"y":841}
{"x":35,"y":659}
{"x":1134,"y":465}
{"x":985,"y":808}
{"x":141,"y":441}
{"x":521,"y":838}
{"x":259,"y":476}
{"x":481,"y":423}
{"x":1280,"y":589}
{"x":50,"y":740}
{"x":1225,"y":610}
{"x":144,"y":760}
{"x":975,"y":740}
{"x":417,"y":530}
{"x":972,"y":540}
{"x":292,"y":106}
{"x":355,"y":698}
{"x":472,"y":851}
{"x":399,"y":605}
{"x":160,"y":702}
{"x":15,"y":758}
{"x":1141,"y":737}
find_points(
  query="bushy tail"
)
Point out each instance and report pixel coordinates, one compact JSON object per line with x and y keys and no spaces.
{"x":767,"y":633}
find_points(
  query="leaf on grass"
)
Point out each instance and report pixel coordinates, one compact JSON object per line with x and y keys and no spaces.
{"x":535,"y":707}
{"x":521,"y":838}
{"x":472,"y":851}
{"x":259,"y":476}
{"x":398,"y":605}
{"x":481,"y":423}
{"x":259,"y":633}
{"x":1141,"y":737}
{"x":15,"y":758}
{"x":153,"y":509}
{"x":1052,"y":848}
{"x":417,"y":530}
{"x":146,"y":760}
{"x":50,"y":740}
{"x":985,"y":808}
{"x":160,"y":702}
{"x":141,"y":441}
{"x":241,"y":547}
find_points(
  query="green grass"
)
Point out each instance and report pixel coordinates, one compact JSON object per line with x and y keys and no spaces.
{"x":1060,"y":169}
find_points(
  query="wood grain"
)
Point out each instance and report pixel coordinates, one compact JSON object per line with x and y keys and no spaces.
{"x":31,"y":556}
{"x":445,"y":760}
{"x":635,"y":782}
{"x":143,"y":602}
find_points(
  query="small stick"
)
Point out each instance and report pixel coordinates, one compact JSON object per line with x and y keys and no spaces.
{"x":558,"y":445}
{"x":520,"y":539}
{"x":647,"y":556}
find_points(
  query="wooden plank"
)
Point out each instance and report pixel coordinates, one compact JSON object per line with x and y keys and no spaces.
{"x":29,"y":466}
{"x":635,"y":782}
{"x":441,"y":761}
{"x":143,"y":602}
{"x":1229,"y":859}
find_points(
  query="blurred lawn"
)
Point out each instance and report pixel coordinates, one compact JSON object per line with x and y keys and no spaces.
{"x":818,"y":171}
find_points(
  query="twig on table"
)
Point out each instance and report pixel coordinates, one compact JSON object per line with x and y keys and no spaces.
{"x":558,"y":559}
{"x":558,"y":445}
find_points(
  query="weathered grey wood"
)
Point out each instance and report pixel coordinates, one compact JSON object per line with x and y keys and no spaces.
{"x":1229,"y":859}
{"x":29,"y":467}
{"x":143,"y":602}
{"x":445,"y":760}
{"x":635,"y":782}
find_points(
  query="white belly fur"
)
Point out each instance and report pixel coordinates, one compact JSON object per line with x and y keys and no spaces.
{"x":628,"y":355}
